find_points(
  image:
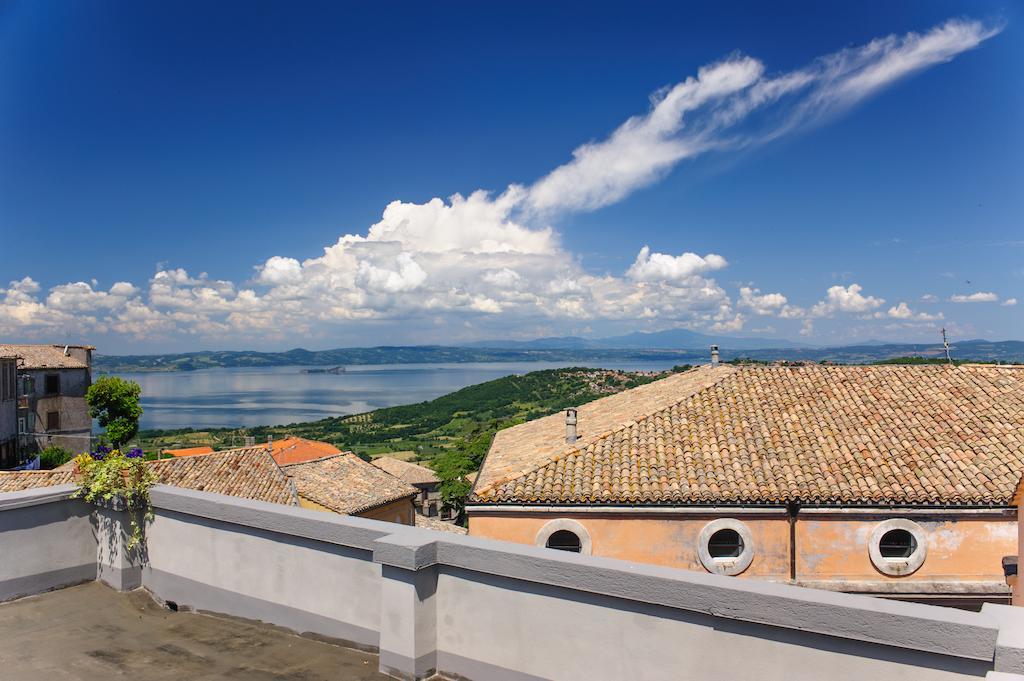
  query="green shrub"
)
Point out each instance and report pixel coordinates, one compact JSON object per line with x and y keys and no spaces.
{"x":53,"y":456}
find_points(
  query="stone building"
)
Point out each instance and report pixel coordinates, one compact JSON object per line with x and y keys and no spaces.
{"x":898,"y":481}
{"x":52,"y":382}
{"x":344,"y":483}
{"x":428,"y":503}
{"x":8,"y":411}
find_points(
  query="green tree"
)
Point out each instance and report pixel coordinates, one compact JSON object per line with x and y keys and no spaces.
{"x":52,"y":456}
{"x":114,"y":402}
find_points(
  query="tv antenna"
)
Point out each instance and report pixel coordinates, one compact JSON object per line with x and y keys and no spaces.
{"x":945,"y":344}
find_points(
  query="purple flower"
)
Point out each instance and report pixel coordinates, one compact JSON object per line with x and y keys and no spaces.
{"x":99,"y":454}
{"x":134,"y":453}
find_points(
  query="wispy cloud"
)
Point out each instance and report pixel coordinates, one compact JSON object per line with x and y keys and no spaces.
{"x":487,"y":256}
{"x":979,"y":297}
{"x":725,"y":106}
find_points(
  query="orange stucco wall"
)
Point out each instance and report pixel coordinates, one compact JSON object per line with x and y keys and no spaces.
{"x":831,"y":550}
{"x":960,"y":549}
{"x":650,"y":539}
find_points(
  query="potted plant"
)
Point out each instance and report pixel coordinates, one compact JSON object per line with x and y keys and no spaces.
{"x":108,"y":477}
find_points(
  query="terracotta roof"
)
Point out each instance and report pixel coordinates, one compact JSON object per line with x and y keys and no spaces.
{"x":16,"y":481}
{"x":815,"y":434}
{"x":298,"y":449}
{"x":344,"y":483}
{"x":521,"y":448}
{"x":411,"y":473}
{"x":438,"y":524}
{"x":43,"y":356}
{"x":249,"y":473}
{"x":189,"y":451}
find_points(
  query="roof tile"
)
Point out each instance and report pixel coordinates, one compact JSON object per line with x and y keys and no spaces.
{"x":815,"y":434}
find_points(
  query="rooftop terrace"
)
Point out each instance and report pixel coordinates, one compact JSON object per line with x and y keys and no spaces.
{"x":429,"y":602}
{"x":101,"y":634}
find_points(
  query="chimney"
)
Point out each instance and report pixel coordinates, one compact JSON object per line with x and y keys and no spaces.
{"x":714,"y":355}
{"x":570,"y":426}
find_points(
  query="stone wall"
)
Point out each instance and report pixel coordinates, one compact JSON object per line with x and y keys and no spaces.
{"x":480,"y":609}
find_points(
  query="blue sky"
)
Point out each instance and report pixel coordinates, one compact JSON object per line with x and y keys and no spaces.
{"x":171,"y":175}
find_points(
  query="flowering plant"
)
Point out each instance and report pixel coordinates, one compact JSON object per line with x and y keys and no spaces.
{"x":107,"y":474}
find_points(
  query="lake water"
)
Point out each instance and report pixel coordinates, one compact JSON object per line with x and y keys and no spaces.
{"x":282,"y":395}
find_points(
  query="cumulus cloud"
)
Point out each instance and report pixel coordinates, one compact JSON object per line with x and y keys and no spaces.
{"x":490,"y":255}
{"x":766,"y":304}
{"x":672,"y":268}
{"x":979,"y":297}
{"x":845,"y":299}
{"x":1009,"y":302}
{"x":903,"y":311}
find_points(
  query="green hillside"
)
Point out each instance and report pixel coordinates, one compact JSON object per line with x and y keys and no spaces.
{"x":464,"y":420}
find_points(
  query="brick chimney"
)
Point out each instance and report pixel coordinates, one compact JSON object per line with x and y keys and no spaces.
{"x":714,"y":355}
{"x":570,"y":426}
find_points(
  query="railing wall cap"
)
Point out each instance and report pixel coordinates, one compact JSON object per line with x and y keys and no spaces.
{"x":291,"y":520}
{"x":36,"y":496}
{"x":946,"y":631}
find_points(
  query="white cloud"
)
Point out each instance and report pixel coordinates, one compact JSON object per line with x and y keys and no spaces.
{"x":714,"y":111}
{"x":494,"y":256}
{"x":769,"y":303}
{"x":407,"y":275}
{"x":979,"y":297}
{"x":672,"y":268}
{"x":845,"y":299}
{"x":929,"y":298}
{"x":1009,"y":302}
{"x":903,"y":311}
{"x":280,"y":270}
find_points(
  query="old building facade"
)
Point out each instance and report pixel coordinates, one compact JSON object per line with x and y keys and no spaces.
{"x":8,"y":410}
{"x":52,"y":382}
{"x":428,"y":502}
{"x":892,"y":480}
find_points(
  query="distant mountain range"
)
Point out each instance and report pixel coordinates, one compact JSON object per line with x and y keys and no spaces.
{"x":673,"y":339}
{"x":679,"y":346}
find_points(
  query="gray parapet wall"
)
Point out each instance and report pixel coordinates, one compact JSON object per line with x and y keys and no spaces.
{"x":481,"y":609}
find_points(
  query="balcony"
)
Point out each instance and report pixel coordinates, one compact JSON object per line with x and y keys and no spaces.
{"x":429,"y":602}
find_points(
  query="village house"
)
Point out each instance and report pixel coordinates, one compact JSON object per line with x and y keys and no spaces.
{"x":897,"y":481}
{"x":346,"y":484}
{"x":8,"y":411}
{"x":294,"y":449}
{"x":52,"y":382}
{"x":428,"y":503}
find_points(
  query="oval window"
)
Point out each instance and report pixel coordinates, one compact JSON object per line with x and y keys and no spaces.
{"x":564,"y":540}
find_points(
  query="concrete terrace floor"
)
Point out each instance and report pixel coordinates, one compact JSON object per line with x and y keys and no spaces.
{"x":92,"y":632}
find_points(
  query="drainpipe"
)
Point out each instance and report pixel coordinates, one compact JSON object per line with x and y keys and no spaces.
{"x":792,"y":508}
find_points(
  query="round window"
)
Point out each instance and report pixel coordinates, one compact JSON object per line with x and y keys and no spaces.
{"x":897,"y":544}
{"x":725,"y":544}
{"x":564,"y":540}
{"x":898,"y":547}
{"x":725,"y":547}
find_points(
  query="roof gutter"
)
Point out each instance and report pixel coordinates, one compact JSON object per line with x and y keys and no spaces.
{"x":746,"y":509}
{"x":626,"y":510}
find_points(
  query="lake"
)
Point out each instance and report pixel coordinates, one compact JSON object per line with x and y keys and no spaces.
{"x":232,"y":397}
